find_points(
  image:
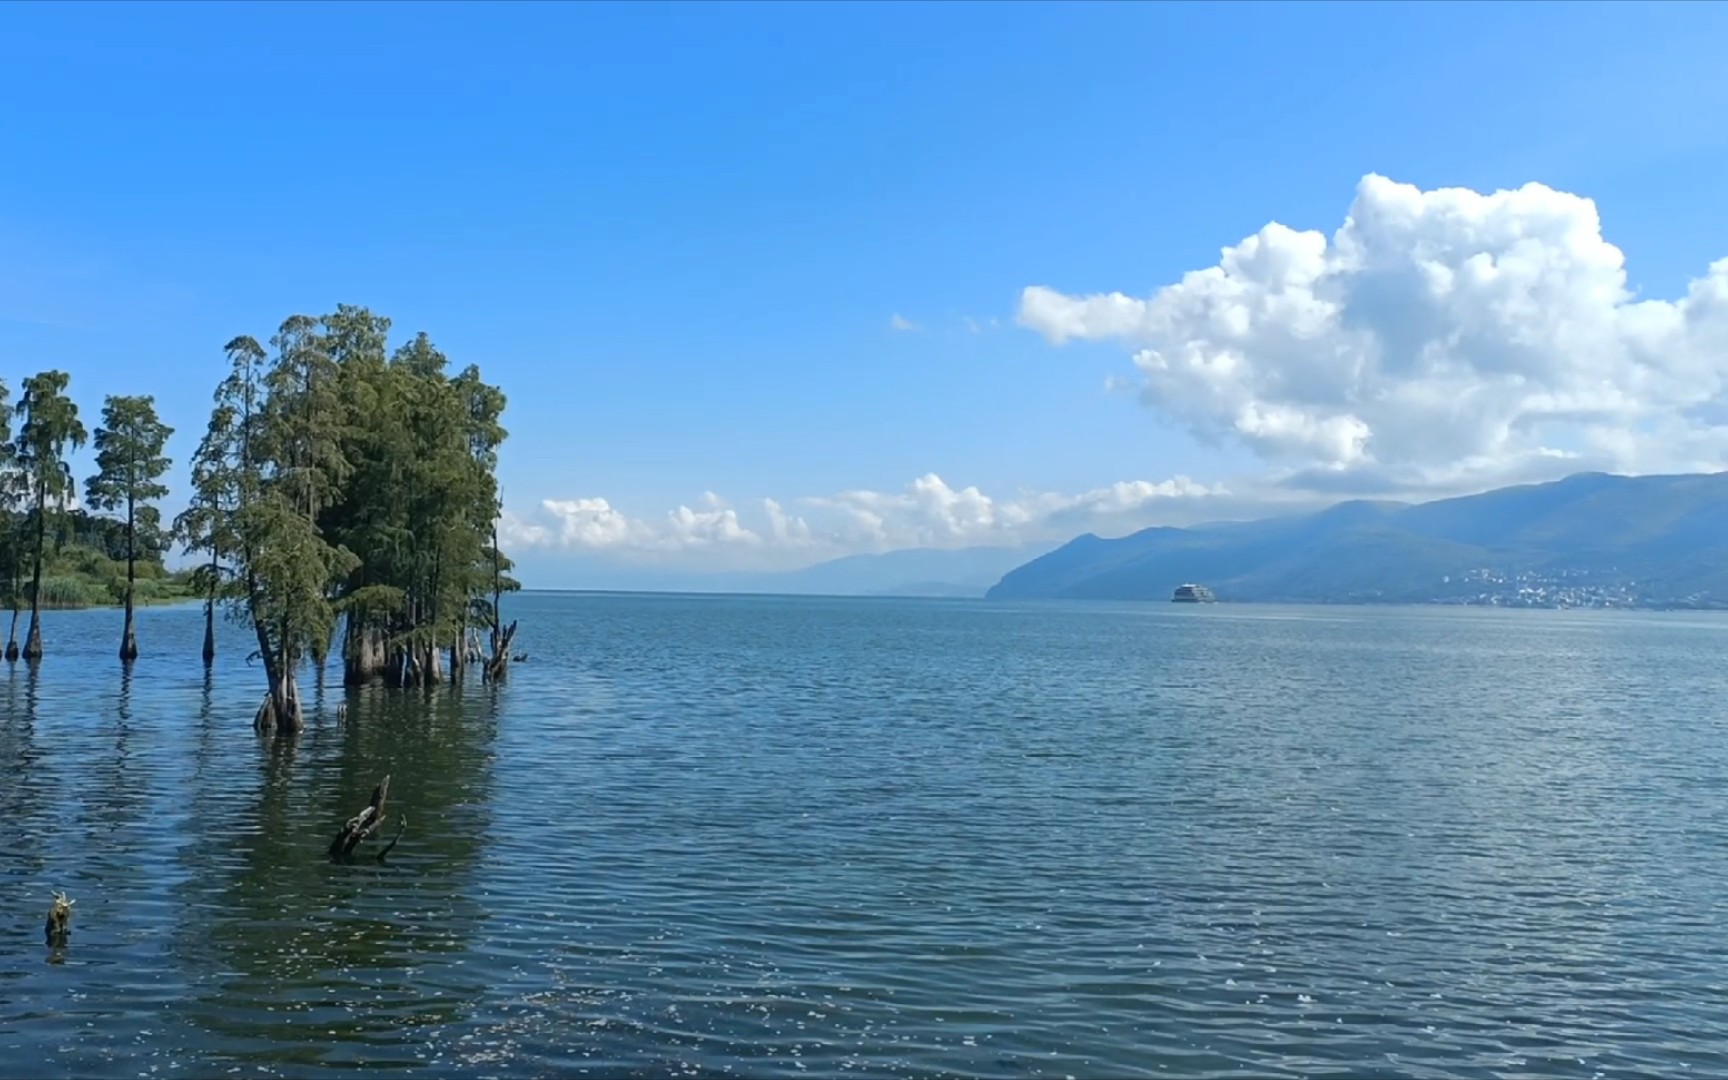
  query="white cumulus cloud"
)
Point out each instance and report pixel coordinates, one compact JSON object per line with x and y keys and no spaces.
{"x":901,"y":323}
{"x":928,"y":512}
{"x":1437,"y":335}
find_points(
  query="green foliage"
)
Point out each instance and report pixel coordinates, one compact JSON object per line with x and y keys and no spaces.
{"x":85,"y":565}
{"x":224,"y":475}
{"x":130,"y":457}
{"x":73,"y":592}
{"x":48,"y":428}
{"x":337,"y":480}
{"x":130,"y":460}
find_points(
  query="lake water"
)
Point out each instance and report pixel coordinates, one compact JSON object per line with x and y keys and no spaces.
{"x":766,"y":837}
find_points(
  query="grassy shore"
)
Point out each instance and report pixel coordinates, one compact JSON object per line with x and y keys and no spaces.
{"x":80,"y":577}
{"x":71,"y":592}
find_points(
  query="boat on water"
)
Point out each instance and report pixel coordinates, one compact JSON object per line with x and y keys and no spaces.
{"x":1193,"y":594}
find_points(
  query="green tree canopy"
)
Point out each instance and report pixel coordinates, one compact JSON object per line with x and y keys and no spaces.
{"x":49,"y":427}
{"x":131,"y":457}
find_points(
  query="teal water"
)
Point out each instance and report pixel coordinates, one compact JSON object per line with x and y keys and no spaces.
{"x":766,"y":837}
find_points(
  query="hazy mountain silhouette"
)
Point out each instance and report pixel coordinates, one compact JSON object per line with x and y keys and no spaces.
{"x":1662,"y":540}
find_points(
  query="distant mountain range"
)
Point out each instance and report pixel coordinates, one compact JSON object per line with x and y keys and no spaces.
{"x":1589,"y":540}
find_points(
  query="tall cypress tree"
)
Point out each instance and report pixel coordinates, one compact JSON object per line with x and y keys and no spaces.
{"x":49,"y":427}
{"x":131,"y":457}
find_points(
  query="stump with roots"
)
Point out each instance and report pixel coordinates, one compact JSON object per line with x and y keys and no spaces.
{"x":365,"y":823}
{"x":280,"y":711}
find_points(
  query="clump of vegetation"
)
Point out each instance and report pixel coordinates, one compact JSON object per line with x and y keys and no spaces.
{"x":337,"y":483}
{"x":340,"y":483}
{"x":83,"y":566}
{"x":55,"y":556}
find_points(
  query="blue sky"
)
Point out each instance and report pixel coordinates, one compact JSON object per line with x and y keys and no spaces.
{"x":677,"y":236}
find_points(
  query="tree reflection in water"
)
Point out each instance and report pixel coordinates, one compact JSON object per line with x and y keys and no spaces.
{"x":364,"y":953}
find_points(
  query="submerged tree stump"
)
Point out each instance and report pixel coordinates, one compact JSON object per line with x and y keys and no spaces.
{"x":365,"y":823}
{"x":59,"y":927}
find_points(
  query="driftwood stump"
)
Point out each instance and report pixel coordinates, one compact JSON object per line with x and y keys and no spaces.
{"x":365,"y":823}
{"x":59,"y":927}
{"x":499,"y":666}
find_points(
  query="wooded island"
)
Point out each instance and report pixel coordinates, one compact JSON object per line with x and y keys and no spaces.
{"x":337,"y":484}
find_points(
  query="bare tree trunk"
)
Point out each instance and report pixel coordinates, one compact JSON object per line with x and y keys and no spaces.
{"x":458,"y":659}
{"x":499,"y":666}
{"x":210,"y":609}
{"x":129,"y":636}
{"x":33,"y":639}
{"x":403,"y":669}
{"x":12,"y":636}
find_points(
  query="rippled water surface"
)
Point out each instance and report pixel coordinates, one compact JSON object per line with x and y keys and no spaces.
{"x":764,"y":837}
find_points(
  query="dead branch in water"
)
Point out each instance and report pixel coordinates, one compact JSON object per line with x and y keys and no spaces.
{"x":499,"y":666}
{"x":363,"y":824}
{"x":401,"y":825}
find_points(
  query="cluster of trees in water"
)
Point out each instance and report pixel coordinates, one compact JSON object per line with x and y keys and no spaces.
{"x":338,"y":485}
{"x":37,"y":489}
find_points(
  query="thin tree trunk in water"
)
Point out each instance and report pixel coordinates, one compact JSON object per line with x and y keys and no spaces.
{"x":17,"y":564}
{"x":129,"y":637}
{"x":403,"y":668}
{"x":210,"y":612}
{"x":33,"y":639}
{"x":353,"y":641}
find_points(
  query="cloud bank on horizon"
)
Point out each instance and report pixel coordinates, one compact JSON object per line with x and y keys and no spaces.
{"x":1438,"y":342}
{"x":927,"y":513}
{"x":1441,"y":340}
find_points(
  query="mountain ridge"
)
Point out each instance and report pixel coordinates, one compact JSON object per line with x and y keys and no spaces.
{"x":1590,"y":539}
